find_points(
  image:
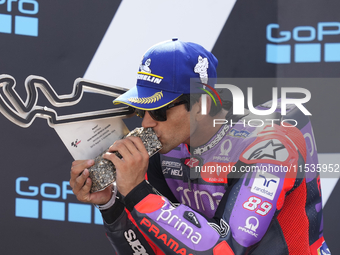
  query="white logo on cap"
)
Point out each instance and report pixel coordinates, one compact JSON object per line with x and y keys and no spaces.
{"x":201,"y":68}
{"x":145,"y":73}
{"x":145,"y":68}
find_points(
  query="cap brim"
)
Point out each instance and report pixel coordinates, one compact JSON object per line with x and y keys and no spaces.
{"x":145,"y":98}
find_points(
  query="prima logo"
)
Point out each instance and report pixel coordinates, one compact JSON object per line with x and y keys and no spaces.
{"x":181,"y":226}
{"x":201,"y":198}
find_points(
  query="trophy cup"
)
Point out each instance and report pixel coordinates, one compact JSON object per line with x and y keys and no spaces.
{"x":85,"y":135}
{"x":103,"y":172}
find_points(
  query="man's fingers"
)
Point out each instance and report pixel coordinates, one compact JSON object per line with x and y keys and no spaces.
{"x":82,"y":186}
{"x":77,"y":168}
{"x":79,"y":163}
{"x":130,"y":170}
{"x":128,"y":148}
{"x":83,"y":194}
{"x":139,"y":145}
{"x":79,"y":182}
{"x":125,"y":148}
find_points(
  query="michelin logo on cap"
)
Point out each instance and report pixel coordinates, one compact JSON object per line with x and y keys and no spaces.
{"x":201,"y":68}
{"x":145,"y":68}
{"x":145,"y":73}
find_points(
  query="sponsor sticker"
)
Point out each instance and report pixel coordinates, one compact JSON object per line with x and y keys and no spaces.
{"x":265,"y":185}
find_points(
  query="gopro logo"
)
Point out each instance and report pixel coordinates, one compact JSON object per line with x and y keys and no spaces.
{"x":308,"y":46}
{"x":20,"y":25}
{"x":30,"y":206}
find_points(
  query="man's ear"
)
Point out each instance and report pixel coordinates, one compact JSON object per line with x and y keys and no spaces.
{"x":204,"y":106}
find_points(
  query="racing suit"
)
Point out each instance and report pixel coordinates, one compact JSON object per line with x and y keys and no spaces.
{"x":246,"y":191}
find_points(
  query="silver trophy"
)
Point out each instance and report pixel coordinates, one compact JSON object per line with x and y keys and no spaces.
{"x":86,"y":134}
{"x":103,"y":172}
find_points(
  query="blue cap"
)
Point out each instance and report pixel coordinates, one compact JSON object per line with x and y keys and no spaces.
{"x":165,"y":74}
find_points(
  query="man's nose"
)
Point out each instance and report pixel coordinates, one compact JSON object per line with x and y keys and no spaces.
{"x":148,"y":121}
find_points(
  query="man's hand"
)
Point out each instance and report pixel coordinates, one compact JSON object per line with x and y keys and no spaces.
{"x":131,"y":169}
{"x":81,"y":184}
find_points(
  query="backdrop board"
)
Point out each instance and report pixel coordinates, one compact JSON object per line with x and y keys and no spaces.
{"x":103,"y":41}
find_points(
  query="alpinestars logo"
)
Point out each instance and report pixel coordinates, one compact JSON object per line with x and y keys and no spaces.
{"x":175,"y":168}
{"x":213,"y":143}
{"x":269,"y":149}
{"x":192,"y":162}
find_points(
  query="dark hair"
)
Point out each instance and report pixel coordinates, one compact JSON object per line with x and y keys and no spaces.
{"x":191,"y":99}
